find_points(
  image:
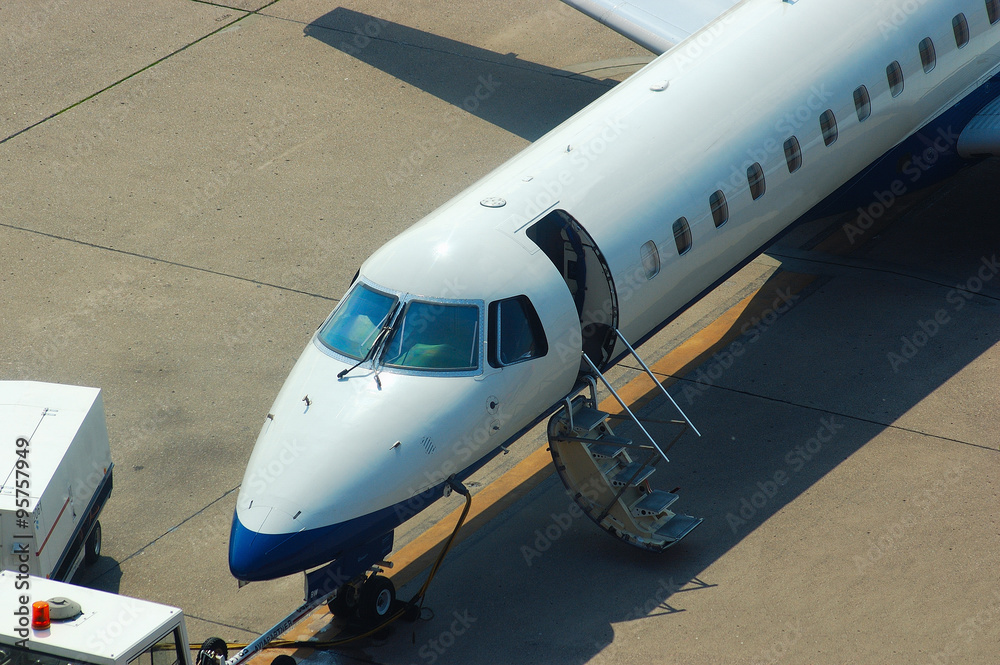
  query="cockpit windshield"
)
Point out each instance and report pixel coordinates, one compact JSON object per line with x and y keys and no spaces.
{"x":355,"y":325}
{"x":434,"y":336}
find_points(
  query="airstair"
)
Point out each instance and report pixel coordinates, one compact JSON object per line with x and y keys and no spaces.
{"x":608,"y":475}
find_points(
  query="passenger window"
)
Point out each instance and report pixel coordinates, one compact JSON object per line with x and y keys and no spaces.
{"x":755,"y":178}
{"x":894,"y":73}
{"x":961,"y":28}
{"x":720,"y":208}
{"x":793,"y":154}
{"x":828,"y":124}
{"x":650,"y":257}
{"x":862,"y":103}
{"x":993,"y":10}
{"x":682,"y":235}
{"x":928,"y":57}
{"x":516,"y":332}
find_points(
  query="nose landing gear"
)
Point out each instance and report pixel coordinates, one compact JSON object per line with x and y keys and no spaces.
{"x":369,"y":602}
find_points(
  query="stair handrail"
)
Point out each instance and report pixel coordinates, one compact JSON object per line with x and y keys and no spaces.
{"x":624,"y":406}
{"x":655,"y":380}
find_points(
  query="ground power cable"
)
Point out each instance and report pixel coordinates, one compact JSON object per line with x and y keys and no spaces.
{"x":412,"y":608}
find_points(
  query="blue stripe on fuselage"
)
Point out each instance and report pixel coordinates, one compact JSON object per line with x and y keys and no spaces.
{"x":255,"y":556}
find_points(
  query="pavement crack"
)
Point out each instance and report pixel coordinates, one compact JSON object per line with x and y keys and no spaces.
{"x":168,"y":262}
{"x":513,"y":64}
{"x":885,"y":269}
{"x":244,"y":629}
{"x":221,"y":5}
{"x":118,"y":564}
{"x":839,"y":414}
{"x":141,"y":70}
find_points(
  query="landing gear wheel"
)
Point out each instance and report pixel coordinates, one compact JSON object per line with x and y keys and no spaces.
{"x":283,"y":659}
{"x":92,"y":548}
{"x":378,"y":594}
{"x":345,"y":603}
{"x":212,"y":651}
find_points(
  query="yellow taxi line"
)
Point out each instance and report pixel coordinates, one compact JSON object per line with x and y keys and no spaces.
{"x":418,"y":554}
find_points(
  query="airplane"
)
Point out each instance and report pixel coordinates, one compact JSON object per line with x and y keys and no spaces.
{"x":505,"y":305}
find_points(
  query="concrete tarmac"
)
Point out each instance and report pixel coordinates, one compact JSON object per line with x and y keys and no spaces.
{"x":188,"y":187}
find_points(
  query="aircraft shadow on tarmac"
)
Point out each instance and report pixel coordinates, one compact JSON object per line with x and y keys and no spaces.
{"x":524,"y":98}
{"x":558,"y":586}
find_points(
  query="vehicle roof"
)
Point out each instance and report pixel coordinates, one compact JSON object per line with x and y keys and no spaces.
{"x":109,"y":626}
{"x":49,"y":416}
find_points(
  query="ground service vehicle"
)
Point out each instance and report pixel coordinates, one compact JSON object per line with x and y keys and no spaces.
{"x":55,"y":477}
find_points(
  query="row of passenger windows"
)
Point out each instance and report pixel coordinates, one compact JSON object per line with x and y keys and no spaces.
{"x":828,"y":126}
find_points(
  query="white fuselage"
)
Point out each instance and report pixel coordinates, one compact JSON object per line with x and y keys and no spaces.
{"x":327,"y":473}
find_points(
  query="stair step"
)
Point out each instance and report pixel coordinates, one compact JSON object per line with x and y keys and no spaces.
{"x":608,"y":446}
{"x":586,"y":419}
{"x":623,"y":476}
{"x":677,"y":527}
{"x":654,"y":503}
{"x":606,"y":466}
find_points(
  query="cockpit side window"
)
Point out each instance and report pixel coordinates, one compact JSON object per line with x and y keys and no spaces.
{"x":434,"y":336}
{"x":515,"y":332}
{"x":355,"y":324}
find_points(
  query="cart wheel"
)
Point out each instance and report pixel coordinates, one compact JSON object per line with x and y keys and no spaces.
{"x":378,"y":594}
{"x":212,"y":651}
{"x":92,"y":548}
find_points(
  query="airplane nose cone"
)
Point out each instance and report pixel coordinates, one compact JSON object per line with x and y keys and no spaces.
{"x":246,"y":562}
{"x":255,"y":556}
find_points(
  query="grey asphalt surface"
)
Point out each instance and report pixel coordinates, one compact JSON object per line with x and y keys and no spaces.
{"x":188,"y":187}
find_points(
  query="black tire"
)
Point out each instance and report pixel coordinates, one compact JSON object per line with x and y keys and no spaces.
{"x":92,"y":548}
{"x":345,"y":603}
{"x":283,"y":659}
{"x":213,"y":645}
{"x":378,"y":595}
